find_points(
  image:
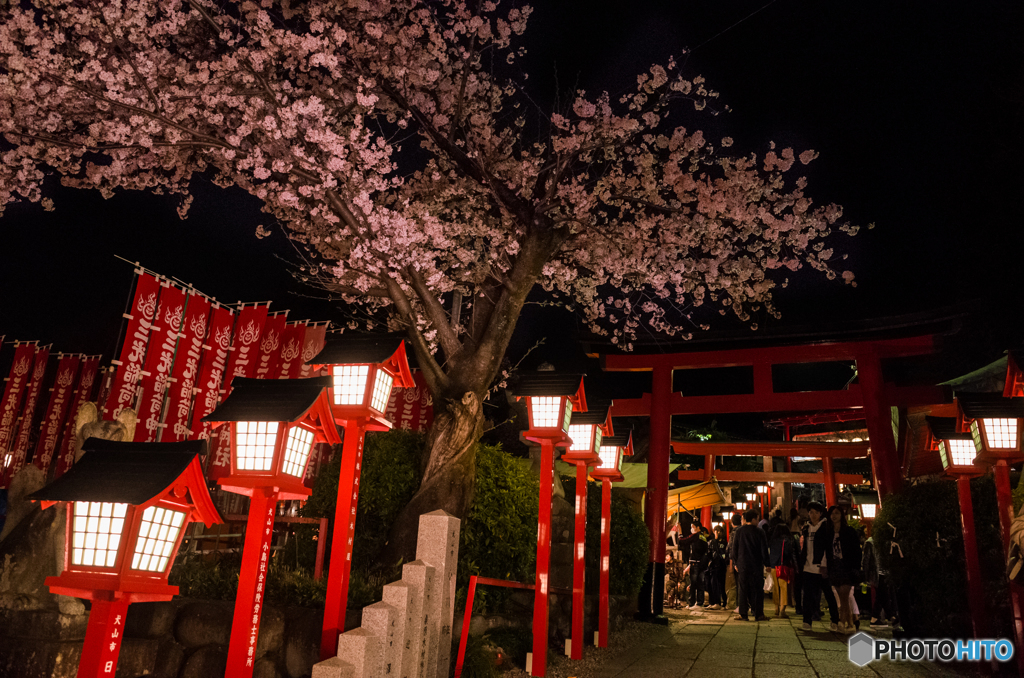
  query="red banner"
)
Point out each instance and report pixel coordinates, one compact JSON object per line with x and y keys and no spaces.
{"x":314,"y":342}
{"x":291,"y":350}
{"x":133,"y":349}
{"x":245,"y":344}
{"x":211,"y":373}
{"x":186,"y":369}
{"x":412,"y":409}
{"x":159,"y":362}
{"x":244,"y":356}
{"x":28,"y":412}
{"x":56,"y":411}
{"x":14,"y":392}
{"x":270,"y":346}
{"x":86,"y":380}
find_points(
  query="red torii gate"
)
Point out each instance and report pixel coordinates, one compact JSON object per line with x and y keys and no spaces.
{"x":871,"y":394}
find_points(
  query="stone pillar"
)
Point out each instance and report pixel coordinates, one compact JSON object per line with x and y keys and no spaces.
{"x":398,"y":662}
{"x":379,"y":619}
{"x":438,"y":545}
{"x":420,"y":578}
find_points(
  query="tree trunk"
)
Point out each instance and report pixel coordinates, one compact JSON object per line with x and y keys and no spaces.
{"x":449,"y":472}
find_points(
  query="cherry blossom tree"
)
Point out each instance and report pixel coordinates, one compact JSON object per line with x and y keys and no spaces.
{"x":395,"y":139}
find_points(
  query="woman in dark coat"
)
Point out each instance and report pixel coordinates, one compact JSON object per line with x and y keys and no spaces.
{"x":837,"y":547}
{"x":782,"y":551}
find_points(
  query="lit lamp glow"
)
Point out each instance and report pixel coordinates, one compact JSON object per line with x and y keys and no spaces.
{"x":868,"y":510}
{"x":127,"y":506}
{"x":363,"y":369}
{"x":551,"y":399}
{"x":274,"y":425}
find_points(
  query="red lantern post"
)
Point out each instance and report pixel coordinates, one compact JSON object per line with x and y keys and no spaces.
{"x":996,"y":424}
{"x":274,"y":425}
{"x":128,"y":504}
{"x":608,"y":471}
{"x":956,"y":450}
{"x":362,"y":368}
{"x":586,"y":430}
{"x":550,"y":400}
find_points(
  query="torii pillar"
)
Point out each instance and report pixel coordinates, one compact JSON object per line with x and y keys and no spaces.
{"x":652,"y":594}
{"x":885,"y":464}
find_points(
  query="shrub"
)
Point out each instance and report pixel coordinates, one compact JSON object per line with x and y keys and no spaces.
{"x":931,"y":573}
{"x":630,"y":542}
{"x":217,"y":579}
{"x":499,"y":536}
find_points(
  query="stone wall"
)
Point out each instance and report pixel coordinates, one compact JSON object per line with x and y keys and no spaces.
{"x":181,"y":638}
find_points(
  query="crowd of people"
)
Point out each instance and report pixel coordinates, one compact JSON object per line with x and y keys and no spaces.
{"x":815,"y":555}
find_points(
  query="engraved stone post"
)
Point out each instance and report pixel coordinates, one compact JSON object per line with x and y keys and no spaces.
{"x":420,"y":578}
{"x":438,"y":544}
{"x":379,"y":619}
{"x":397,"y":595}
{"x":364,"y":650}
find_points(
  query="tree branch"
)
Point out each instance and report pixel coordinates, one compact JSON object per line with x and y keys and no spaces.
{"x":437,"y":380}
{"x":435,"y":313}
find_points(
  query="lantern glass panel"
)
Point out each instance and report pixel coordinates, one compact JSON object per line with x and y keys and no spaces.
{"x":254,"y":445}
{"x":350,"y":384}
{"x":545,"y":411}
{"x":868,"y":510}
{"x":609,"y":457}
{"x":296,"y":451}
{"x":381,"y":391}
{"x":962,"y":452}
{"x":581,"y":435}
{"x":158,"y":531}
{"x":567,"y":416}
{"x":1000,"y":434}
{"x":96,"y":533}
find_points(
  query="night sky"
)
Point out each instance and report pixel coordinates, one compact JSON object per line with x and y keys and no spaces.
{"x":916,"y":109}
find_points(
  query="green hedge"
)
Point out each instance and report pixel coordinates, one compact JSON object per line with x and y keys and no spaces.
{"x":390,"y":477}
{"x":499,"y":536}
{"x":931,"y":573}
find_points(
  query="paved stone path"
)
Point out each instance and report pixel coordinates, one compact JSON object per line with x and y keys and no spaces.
{"x":711,"y":644}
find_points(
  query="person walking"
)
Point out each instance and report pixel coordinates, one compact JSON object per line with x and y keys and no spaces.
{"x":718,"y":559}
{"x":750,"y":554}
{"x":782,"y":556}
{"x":811,"y":579}
{"x":878,"y":578}
{"x":837,"y":547}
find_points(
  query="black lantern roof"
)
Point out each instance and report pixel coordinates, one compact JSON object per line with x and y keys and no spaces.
{"x":130,"y":473}
{"x":547,"y":384}
{"x":597,"y":418}
{"x":617,"y":441}
{"x":269,"y":399}
{"x":977,"y":405}
{"x":944,"y":428}
{"x":357,"y":347}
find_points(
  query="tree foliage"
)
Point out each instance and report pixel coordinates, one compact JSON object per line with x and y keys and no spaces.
{"x":307,"y":106}
{"x":397,"y":140}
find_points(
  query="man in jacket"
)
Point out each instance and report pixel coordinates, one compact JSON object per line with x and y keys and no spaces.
{"x":812,"y":582}
{"x":698,"y":547}
{"x":749,"y":552}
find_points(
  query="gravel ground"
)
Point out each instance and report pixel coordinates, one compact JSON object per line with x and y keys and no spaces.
{"x":560,"y":666}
